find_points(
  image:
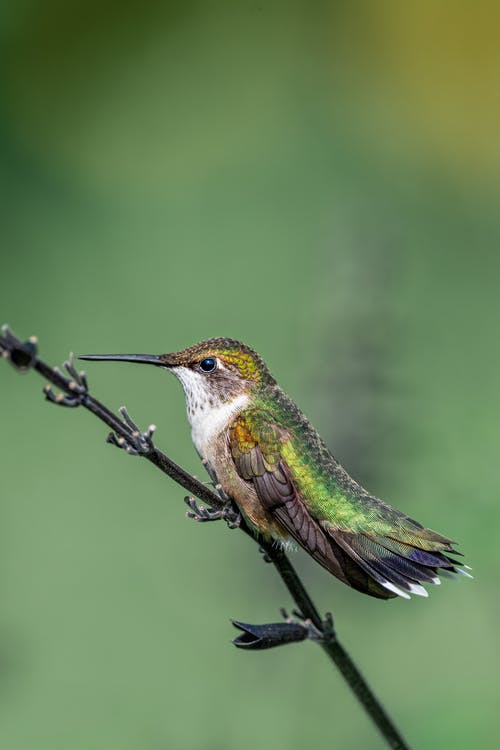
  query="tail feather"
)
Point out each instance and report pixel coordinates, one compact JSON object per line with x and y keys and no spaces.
{"x":416,"y":554}
{"x":345,"y":542}
{"x":355,"y":573}
{"x":396,"y":567}
{"x":398,"y":563}
{"x":409,"y":531}
{"x":342,"y":565}
{"x":390,"y":575}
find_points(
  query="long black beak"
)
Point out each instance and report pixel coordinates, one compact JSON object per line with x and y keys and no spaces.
{"x":145,"y":359}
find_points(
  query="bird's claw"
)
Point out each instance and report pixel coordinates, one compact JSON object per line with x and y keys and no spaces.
{"x":202,"y":514}
{"x":265,"y":555}
{"x":231,"y":516}
{"x":325,"y":633}
{"x":137,"y":443}
{"x":77,"y":385}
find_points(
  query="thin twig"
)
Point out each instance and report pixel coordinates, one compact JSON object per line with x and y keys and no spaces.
{"x":23,"y":356}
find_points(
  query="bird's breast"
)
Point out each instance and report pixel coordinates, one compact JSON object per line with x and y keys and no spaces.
{"x":208,"y":422}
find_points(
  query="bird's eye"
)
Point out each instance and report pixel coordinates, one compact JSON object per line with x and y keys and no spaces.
{"x":208,"y":364}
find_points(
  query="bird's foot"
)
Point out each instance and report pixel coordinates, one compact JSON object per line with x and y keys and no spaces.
{"x":217,"y":486}
{"x":314,"y":633}
{"x":203,"y":514}
{"x":265,"y":555}
{"x":138,"y":443}
{"x":77,"y":385}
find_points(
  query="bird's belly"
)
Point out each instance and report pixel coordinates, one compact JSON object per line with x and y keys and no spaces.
{"x":218,"y":457}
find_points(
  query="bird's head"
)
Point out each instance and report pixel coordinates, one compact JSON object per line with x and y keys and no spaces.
{"x":216,"y":370}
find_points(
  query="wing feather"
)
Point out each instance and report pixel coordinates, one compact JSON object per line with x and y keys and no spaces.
{"x":260,"y":463}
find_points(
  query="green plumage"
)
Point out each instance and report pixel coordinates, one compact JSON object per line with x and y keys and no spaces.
{"x":361,"y":539}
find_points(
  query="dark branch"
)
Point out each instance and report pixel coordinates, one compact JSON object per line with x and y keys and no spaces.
{"x":308,"y":622}
{"x":23,"y":357}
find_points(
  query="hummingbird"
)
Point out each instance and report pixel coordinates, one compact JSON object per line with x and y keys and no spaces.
{"x":288,"y":486}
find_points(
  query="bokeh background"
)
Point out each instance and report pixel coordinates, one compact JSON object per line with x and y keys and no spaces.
{"x":320,"y":180}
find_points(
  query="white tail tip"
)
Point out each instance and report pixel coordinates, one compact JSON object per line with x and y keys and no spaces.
{"x":415,"y":588}
{"x":463,"y":573}
{"x":391,"y":587}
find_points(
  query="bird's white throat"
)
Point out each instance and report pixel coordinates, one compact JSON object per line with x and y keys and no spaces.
{"x":208,"y":415}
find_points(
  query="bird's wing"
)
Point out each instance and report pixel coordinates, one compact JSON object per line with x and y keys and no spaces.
{"x":364,"y":542}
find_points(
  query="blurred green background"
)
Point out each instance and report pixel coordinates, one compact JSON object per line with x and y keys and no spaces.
{"x":320,"y":180}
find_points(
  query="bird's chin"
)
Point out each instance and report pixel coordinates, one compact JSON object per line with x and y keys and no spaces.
{"x":186,"y":376}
